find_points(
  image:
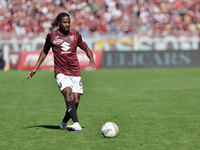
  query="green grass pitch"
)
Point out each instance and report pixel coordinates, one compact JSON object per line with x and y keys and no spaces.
{"x":155,"y":109}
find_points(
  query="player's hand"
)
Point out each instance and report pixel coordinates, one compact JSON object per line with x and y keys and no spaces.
{"x":30,"y":74}
{"x":93,"y":65}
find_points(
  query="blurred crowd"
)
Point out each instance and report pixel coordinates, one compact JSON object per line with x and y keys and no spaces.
{"x":34,"y":17}
{"x":169,"y":16}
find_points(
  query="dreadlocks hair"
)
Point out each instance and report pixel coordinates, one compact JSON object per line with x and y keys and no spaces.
{"x":58,"y":19}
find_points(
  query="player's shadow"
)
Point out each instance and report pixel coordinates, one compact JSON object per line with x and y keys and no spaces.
{"x":44,"y":126}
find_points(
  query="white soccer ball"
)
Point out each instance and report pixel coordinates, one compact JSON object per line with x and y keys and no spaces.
{"x":110,"y":129}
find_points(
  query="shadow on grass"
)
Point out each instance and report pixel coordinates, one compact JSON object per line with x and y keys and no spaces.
{"x":44,"y":126}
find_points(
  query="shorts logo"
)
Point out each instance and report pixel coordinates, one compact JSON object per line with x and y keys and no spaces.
{"x":80,"y":83}
{"x":59,"y":84}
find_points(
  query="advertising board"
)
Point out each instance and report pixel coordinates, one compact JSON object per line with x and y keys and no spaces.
{"x":27,"y":60}
{"x":169,"y":58}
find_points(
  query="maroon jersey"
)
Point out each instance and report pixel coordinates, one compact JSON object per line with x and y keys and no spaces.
{"x":64,"y":49}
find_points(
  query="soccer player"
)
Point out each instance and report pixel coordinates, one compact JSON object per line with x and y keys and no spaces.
{"x":64,"y":43}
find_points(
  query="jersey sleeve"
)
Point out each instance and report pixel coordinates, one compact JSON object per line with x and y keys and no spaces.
{"x":47,"y":44}
{"x":81,"y":43}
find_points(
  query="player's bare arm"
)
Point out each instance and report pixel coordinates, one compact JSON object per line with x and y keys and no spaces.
{"x":90,"y":56}
{"x":37,"y":65}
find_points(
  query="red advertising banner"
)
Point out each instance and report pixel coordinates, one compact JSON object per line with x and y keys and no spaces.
{"x":29,"y":59}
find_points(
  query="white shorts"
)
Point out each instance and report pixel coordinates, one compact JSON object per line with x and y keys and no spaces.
{"x":64,"y":81}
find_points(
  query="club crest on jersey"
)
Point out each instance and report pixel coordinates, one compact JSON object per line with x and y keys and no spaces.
{"x":71,"y":37}
{"x":57,"y":40}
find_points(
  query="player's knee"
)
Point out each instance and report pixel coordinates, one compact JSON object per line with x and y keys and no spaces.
{"x":67,"y":94}
{"x":76,"y":100}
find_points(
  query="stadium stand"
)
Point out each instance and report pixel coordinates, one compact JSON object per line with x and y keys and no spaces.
{"x":30,"y":17}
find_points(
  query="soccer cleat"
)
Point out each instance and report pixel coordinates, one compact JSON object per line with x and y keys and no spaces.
{"x":75,"y":127}
{"x":63,"y":126}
